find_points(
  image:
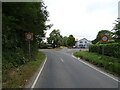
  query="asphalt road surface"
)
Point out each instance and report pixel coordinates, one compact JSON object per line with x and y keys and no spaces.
{"x":61,"y":70}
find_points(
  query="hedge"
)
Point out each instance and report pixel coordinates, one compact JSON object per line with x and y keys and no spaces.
{"x":111,"y":49}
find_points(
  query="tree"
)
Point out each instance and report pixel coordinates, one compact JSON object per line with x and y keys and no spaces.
{"x":19,"y":18}
{"x":55,"y":38}
{"x":64,"y":41}
{"x":102,"y":32}
{"x":71,"y":41}
{"x":116,"y":33}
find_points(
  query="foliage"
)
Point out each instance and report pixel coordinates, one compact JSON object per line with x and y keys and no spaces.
{"x":64,"y":41}
{"x":55,"y":38}
{"x":71,"y":41}
{"x":102,"y":32}
{"x":19,"y":18}
{"x":116,"y":32}
{"x":43,"y":45}
{"x":111,"y":49}
{"x":19,"y":77}
{"x":107,"y":62}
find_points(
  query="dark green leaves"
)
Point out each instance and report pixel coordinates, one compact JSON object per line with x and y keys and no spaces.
{"x":112,"y":49}
{"x":71,"y":41}
{"x":55,"y":38}
{"x":102,"y":32}
{"x":19,"y":18}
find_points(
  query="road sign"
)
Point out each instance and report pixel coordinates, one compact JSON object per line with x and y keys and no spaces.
{"x":28,"y":36}
{"x":104,"y":38}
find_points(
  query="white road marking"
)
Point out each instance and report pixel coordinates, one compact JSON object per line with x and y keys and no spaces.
{"x":95,"y":68}
{"x":61,"y":59}
{"x":39,"y":73}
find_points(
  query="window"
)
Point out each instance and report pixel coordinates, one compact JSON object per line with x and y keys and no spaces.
{"x":85,"y":41}
{"x":81,"y":42}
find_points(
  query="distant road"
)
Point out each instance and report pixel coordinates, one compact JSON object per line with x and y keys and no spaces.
{"x":61,"y":70}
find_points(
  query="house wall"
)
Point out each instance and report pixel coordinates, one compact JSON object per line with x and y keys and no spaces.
{"x":83,"y":43}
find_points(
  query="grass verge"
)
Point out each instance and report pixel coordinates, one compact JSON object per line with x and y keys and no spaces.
{"x":18,"y":77}
{"x":107,"y":63}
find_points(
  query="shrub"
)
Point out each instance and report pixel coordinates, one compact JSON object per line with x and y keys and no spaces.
{"x":111,"y":49}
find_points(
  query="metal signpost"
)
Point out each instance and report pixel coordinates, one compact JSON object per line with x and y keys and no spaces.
{"x":104,"y":38}
{"x":29,"y":37}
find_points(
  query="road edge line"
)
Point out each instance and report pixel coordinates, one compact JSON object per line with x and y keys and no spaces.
{"x":95,"y":68}
{"x":39,"y":73}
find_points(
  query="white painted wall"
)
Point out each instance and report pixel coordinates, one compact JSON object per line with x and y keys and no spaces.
{"x":83,"y":43}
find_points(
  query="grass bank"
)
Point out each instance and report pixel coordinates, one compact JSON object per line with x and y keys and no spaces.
{"x":110,"y":64}
{"x":18,"y":77}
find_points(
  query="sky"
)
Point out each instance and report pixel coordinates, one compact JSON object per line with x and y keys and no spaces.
{"x":82,"y":18}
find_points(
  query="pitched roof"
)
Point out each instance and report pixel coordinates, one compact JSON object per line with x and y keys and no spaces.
{"x":85,"y":39}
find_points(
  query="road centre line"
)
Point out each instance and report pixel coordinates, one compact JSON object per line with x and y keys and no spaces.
{"x":61,"y":59}
{"x":95,"y":68}
{"x":39,"y":73}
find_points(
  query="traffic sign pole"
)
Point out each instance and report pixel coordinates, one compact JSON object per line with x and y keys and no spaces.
{"x":103,"y":50}
{"x":104,"y":38}
{"x":29,"y":37}
{"x":29,"y":50}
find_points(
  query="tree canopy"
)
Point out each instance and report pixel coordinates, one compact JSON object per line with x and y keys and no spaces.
{"x":102,"y":32}
{"x":116,"y":32}
{"x":55,"y":38}
{"x":64,"y":41}
{"x":71,"y":41}
{"x":19,"y":18}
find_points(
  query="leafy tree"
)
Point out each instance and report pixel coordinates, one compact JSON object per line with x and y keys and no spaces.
{"x":71,"y":41}
{"x":102,"y":32}
{"x":116,"y":33}
{"x":64,"y":41}
{"x":22,"y":18}
{"x":55,"y":38}
{"x":19,"y":18}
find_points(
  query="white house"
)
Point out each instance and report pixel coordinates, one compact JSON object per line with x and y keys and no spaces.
{"x":83,"y":43}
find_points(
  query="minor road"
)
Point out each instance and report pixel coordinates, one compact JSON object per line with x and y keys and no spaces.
{"x":61,"y":70}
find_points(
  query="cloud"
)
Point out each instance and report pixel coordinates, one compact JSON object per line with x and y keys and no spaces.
{"x":82,"y":18}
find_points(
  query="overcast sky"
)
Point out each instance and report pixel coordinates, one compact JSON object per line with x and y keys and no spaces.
{"x":82,"y":18}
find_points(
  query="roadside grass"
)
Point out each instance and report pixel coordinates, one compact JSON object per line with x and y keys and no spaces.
{"x":0,"y":75}
{"x":18,"y":77}
{"x":107,"y":63}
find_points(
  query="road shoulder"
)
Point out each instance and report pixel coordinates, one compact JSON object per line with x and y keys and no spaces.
{"x":33,"y":78}
{"x":97,"y":68}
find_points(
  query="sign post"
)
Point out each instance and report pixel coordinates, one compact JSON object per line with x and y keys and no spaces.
{"x":29,"y":37}
{"x":29,"y":49}
{"x":104,"y":38}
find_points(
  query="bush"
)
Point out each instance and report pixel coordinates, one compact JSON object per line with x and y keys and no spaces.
{"x":111,"y":49}
{"x":43,"y":46}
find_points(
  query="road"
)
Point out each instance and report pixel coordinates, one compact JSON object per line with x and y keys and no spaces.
{"x":61,"y":70}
